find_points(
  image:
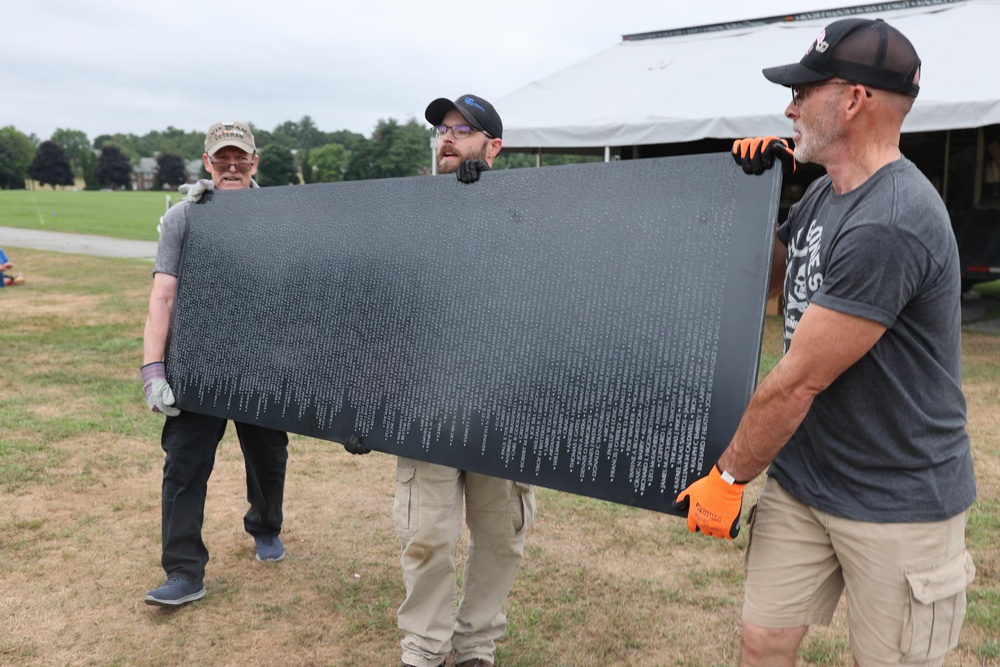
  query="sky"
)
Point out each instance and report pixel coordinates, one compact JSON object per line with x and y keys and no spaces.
{"x":107,"y":66}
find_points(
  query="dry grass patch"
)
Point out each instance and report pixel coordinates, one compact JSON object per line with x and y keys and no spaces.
{"x":601,"y":584}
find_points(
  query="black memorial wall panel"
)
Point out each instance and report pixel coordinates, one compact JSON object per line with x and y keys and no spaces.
{"x":590,"y":328}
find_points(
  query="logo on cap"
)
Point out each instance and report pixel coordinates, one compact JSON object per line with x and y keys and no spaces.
{"x":821,"y":44}
{"x":228,"y":130}
{"x":472,"y":103}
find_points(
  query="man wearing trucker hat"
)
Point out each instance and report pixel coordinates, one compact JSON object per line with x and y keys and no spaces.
{"x":190,"y":439}
{"x":862,"y":421}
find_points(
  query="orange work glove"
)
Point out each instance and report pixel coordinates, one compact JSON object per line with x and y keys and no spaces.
{"x":713,"y":505}
{"x":756,"y":154}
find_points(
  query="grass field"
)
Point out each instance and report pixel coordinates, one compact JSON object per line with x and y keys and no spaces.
{"x":80,"y":467}
{"x":126,"y":215}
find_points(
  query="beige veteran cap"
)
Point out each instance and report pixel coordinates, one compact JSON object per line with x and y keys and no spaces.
{"x":229,"y":133}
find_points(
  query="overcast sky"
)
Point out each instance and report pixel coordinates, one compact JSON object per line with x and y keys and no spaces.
{"x":106,"y":66}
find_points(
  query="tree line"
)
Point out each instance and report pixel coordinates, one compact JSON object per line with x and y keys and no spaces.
{"x":291,"y":153}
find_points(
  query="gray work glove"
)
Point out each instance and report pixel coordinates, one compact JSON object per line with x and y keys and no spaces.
{"x":354,"y":446}
{"x":159,"y":395}
{"x":194,"y":191}
{"x":468,"y":171}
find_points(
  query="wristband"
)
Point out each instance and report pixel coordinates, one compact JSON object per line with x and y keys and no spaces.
{"x":728,"y":478}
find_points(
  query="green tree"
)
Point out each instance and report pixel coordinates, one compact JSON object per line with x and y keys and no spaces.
{"x":88,"y":169}
{"x":310,"y":135}
{"x":261,"y":137}
{"x":188,"y":145}
{"x":170,"y":170}
{"x":126,"y":143}
{"x":325,"y":164}
{"x":113,"y":168}
{"x":359,"y":165}
{"x":76,"y":145}
{"x":9,"y":176}
{"x":17,"y":150}
{"x":394,"y":150}
{"x":276,"y":166}
{"x":345,"y":138}
{"x":301,"y":135}
{"x":51,"y":166}
{"x":285,"y":135}
{"x":304,"y":161}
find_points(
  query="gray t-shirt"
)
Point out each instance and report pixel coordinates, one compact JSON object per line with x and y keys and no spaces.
{"x":168,"y":250}
{"x":886,"y":441}
{"x":172,"y":229}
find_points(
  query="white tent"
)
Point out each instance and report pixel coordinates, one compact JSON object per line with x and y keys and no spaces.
{"x":708,"y":84}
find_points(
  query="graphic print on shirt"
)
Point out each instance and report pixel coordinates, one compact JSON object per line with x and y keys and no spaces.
{"x":803,"y":275}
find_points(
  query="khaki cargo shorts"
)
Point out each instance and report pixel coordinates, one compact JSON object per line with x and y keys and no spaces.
{"x":905,"y":582}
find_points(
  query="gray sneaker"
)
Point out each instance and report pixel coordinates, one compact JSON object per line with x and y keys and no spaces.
{"x":176,"y":592}
{"x":269,"y":549}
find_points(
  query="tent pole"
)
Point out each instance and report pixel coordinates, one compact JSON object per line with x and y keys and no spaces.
{"x":607,"y":153}
{"x":947,"y":164}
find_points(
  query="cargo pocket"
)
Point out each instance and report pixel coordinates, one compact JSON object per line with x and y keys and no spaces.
{"x":520,"y":510}
{"x":936,"y":608}
{"x":404,"y":507}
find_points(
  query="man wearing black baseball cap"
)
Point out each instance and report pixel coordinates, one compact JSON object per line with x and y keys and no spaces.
{"x":430,"y":498}
{"x":861,"y":424}
{"x":869,"y":52}
{"x":469,"y":133}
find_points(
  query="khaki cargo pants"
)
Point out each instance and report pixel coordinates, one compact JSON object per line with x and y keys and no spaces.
{"x":428,"y":517}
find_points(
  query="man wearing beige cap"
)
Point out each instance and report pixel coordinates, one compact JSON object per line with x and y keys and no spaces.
{"x":190,"y":439}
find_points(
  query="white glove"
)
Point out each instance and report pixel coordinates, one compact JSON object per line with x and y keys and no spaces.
{"x":159,"y":395}
{"x":194,"y":191}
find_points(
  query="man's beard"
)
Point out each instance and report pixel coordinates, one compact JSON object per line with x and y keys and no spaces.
{"x":820,"y":133}
{"x":462,"y":157}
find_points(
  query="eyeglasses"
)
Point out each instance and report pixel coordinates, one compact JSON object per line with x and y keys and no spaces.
{"x":243,"y":166}
{"x":799,"y":93}
{"x":460,"y":131}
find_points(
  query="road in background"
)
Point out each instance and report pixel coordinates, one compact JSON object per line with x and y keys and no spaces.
{"x":77,"y":244}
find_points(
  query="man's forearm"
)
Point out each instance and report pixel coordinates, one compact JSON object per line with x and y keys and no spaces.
{"x":154,"y":339}
{"x":775,"y":412}
{"x":161,"y":309}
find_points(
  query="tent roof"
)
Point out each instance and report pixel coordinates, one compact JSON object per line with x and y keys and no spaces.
{"x":692,"y":84}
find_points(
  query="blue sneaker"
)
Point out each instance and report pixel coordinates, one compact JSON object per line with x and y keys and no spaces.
{"x":176,"y":592}
{"x":269,"y":549}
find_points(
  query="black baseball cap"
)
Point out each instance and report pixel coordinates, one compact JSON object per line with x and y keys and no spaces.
{"x":866,"y":51}
{"x":479,"y":113}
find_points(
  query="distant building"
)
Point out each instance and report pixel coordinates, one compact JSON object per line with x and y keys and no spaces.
{"x":144,"y":173}
{"x":194,"y":170}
